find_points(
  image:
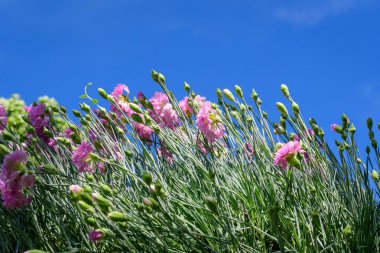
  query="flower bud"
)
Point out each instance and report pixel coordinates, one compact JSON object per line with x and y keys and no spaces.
{"x":155,"y":75}
{"x":347,"y":230}
{"x":101,"y":200}
{"x":89,"y":177}
{"x":212,"y":204}
{"x":239,"y":91}
{"x":117,"y":216}
{"x":92,"y":222}
{"x":367,"y":150}
{"x":375,"y":175}
{"x":282,"y":109}
{"x":87,"y":188}
{"x":369,"y":123}
{"x":147,"y":177}
{"x":35,"y":251}
{"x":85,"y":207}
{"x":4,"y":150}
{"x":352,"y":129}
{"x":242,"y":108}
{"x":77,"y":114}
{"x":187,"y":87}
{"x":152,"y":203}
{"x":219,"y":93}
{"x":285,"y":90}
{"x":135,"y":108}
{"x":86,"y":197}
{"x":374,"y":143}
{"x":254,"y":95}
{"x":105,"y":189}
{"x":228,"y":94}
{"x":295,"y":109}
{"x":137,"y":118}
{"x":161,"y":78}
{"x":85,"y":107}
{"x":102,"y":93}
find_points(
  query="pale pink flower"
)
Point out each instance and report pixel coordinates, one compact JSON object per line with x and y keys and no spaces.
{"x":209,"y":123}
{"x":144,"y":132}
{"x":81,"y":157}
{"x":13,"y":183}
{"x":3,"y":118}
{"x":333,"y":127}
{"x":163,"y":112}
{"x":285,"y":152}
{"x":75,"y":188}
{"x":121,"y":100}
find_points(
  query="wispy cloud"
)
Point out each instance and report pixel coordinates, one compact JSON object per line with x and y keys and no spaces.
{"x":309,"y":13}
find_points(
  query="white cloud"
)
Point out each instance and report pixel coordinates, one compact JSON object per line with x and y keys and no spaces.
{"x":312,"y":12}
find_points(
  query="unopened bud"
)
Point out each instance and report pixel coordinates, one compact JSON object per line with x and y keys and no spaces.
{"x":282,"y":109}
{"x":375,"y":175}
{"x":155,"y":75}
{"x":77,"y":114}
{"x":161,"y":78}
{"x":219,"y":93}
{"x":239,"y":91}
{"x":187,"y":87}
{"x":369,"y":123}
{"x":295,"y":109}
{"x":4,"y":150}
{"x":228,"y":94}
{"x":285,"y":90}
{"x":347,"y":230}
{"x":85,"y":207}
{"x":374,"y":143}
{"x":151,"y":202}
{"x":254,"y":95}
{"x":105,"y":189}
{"x":85,"y":107}
{"x":117,"y":216}
{"x":147,"y":177}
{"x":102,"y":93}
{"x":135,"y":108}
{"x":212,"y":204}
{"x":367,"y":150}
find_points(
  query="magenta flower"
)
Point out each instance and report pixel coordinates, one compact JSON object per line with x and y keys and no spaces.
{"x":187,"y":109}
{"x":144,"y":132}
{"x":209,"y":123}
{"x":287,"y":154}
{"x":3,"y":118}
{"x":14,"y":182}
{"x":81,"y":157}
{"x":39,"y":119}
{"x":95,"y":235}
{"x":140,"y":97}
{"x":163,"y":112}
{"x":121,"y":100}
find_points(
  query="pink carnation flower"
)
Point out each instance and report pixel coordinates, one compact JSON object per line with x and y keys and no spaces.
{"x":13,"y":183}
{"x":186,"y":108}
{"x":144,"y":132}
{"x":163,"y":112}
{"x":3,"y":118}
{"x":287,"y":152}
{"x":81,"y":157}
{"x":121,"y":100}
{"x":209,"y":123}
{"x":95,"y":235}
{"x":39,"y":119}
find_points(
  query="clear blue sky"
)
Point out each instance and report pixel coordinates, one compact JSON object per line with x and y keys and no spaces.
{"x":327,"y":51}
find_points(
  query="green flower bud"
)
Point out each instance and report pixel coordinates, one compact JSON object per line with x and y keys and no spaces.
{"x":85,"y":207}
{"x":242,"y":108}
{"x":101,"y":200}
{"x":77,"y":114}
{"x":282,"y":109}
{"x":7,"y":136}
{"x":371,"y":134}
{"x":285,"y":90}
{"x":239,"y":91}
{"x":102,"y":93}
{"x":155,"y":75}
{"x":135,"y":108}
{"x":137,"y":118}
{"x":161,"y":78}
{"x":92,"y":222}
{"x":295,"y":109}
{"x":187,"y":87}
{"x":87,"y":188}
{"x":369,"y":123}
{"x":228,"y":94}
{"x":219,"y":93}
{"x":117,"y":216}
{"x":35,"y":251}
{"x":63,"y":109}
{"x":367,"y":150}
{"x":110,"y":99}
{"x":89,"y":177}
{"x":86,"y":197}
{"x":352,"y":129}
{"x":358,"y":160}
{"x":347,"y":230}
{"x":85,"y":107}
{"x":4,"y":150}
{"x":152,"y":203}
{"x":212,"y":204}
{"x":375,"y":175}
{"x":374,"y":143}
{"x":105,"y":189}
{"x":254,"y":95}
{"x":147,"y":177}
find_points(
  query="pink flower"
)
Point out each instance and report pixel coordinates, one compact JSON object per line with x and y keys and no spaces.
{"x":14,"y":182}
{"x":187,"y":109}
{"x":144,"y":132}
{"x":68,"y":133}
{"x":75,"y":188}
{"x":163,"y":112}
{"x":249,"y":148}
{"x":121,"y":100}
{"x":209,"y":123}
{"x":333,"y":127}
{"x":287,"y":153}
{"x":140,"y":97}
{"x":164,"y":153}
{"x":81,"y":157}
{"x":3,"y":118}
{"x":39,"y":119}
{"x":95,"y":235}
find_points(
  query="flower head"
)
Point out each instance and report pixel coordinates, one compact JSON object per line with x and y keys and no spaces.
{"x":187,"y":109}
{"x":120,"y":94}
{"x":3,"y":118}
{"x":95,"y":235}
{"x":287,"y":154}
{"x":39,"y":119}
{"x":209,"y":123}
{"x":163,"y":112}
{"x":81,"y":157}
{"x":14,"y":181}
{"x":333,"y":127}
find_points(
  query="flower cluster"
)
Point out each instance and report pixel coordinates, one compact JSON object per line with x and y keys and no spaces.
{"x":40,"y":120}
{"x":120,"y":95}
{"x":209,"y":123}
{"x":3,"y":118}
{"x":163,"y":112}
{"x":15,"y":183}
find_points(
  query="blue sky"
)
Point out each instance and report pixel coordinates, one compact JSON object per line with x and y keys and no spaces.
{"x":326,"y":51}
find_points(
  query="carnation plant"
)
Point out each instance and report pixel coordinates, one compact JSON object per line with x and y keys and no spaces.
{"x":132,"y":174}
